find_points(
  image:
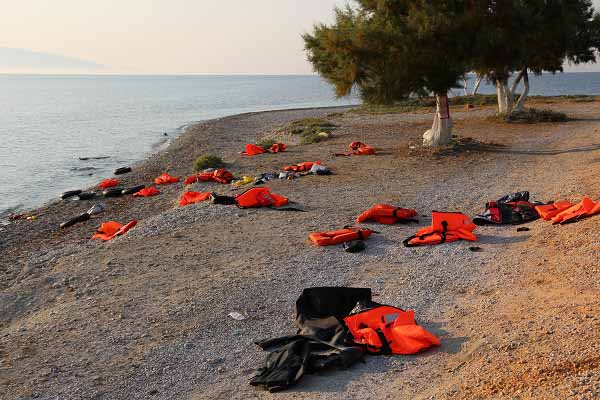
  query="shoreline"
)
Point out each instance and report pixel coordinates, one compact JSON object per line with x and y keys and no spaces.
{"x":146,"y":314}
{"x":156,"y":148}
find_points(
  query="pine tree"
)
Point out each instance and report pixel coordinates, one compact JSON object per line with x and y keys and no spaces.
{"x":391,"y":49}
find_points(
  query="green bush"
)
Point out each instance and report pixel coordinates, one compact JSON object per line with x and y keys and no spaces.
{"x":208,"y":161}
{"x":309,"y":129}
{"x":532,"y":116}
{"x":312,"y":137}
{"x":266,"y":143}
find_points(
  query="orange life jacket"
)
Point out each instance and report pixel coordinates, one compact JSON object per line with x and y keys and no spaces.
{"x":191,"y":179}
{"x":146,"y":192}
{"x":445,"y":227}
{"x":300,"y":167}
{"x":260,"y":197}
{"x":165,"y":179}
{"x":109,"y":230}
{"x":339,"y":236}
{"x":549,"y":211}
{"x":361,"y":149}
{"x":253,"y":150}
{"x":193,"y":197}
{"x":277,"y":148}
{"x":108,"y":183}
{"x":220,"y":176}
{"x":389,"y":330}
{"x":585,"y":208}
{"x":388,"y":214}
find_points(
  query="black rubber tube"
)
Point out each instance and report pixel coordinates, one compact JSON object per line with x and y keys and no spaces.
{"x":70,"y":193}
{"x":86,"y":195}
{"x":114,"y":192}
{"x":133,"y":190}
{"x":76,"y":220}
{"x":122,"y":170}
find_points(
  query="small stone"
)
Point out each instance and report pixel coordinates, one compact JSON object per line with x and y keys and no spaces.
{"x":221,"y":370}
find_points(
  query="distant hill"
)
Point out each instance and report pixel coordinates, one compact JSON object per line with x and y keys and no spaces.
{"x":27,"y":61}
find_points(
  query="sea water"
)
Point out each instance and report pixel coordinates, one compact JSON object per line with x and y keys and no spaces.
{"x":48,"y":122}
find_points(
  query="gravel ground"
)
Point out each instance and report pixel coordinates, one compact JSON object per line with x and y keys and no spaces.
{"x":145,"y":315}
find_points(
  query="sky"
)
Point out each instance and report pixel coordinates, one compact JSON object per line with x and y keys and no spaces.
{"x":166,"y":37}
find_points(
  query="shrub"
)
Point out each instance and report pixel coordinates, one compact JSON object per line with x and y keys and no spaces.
{"x":310,"y":129}
{"x":266,"y":143}
{"x":208,"y":161}
{"x":532,"y":115}
{"x":312,"y":137}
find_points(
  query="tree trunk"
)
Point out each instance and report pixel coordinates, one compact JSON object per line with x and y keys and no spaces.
{"x":440,"y":133}
{"x":521,"y":102}
{"x":476,"y":85}
{"x":505,"y":98}
{"x":518,"y":78}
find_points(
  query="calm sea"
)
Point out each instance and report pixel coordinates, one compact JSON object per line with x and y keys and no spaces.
{"x":48,"y":122}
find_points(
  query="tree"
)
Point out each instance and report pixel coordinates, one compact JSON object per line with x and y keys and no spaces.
{"x":533,"y":35}
{"x":391,"y":49}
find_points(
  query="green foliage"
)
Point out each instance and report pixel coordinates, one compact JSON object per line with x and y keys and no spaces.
{"x":423,"y":103}
{"x":266,"y":143}
{"x":391,"y":49}
{"x":312,"y":137}
{"x":208,"y":161}
{"x":310,"y":129}
{"x":538,"y":35}
{"x":532,"y":115}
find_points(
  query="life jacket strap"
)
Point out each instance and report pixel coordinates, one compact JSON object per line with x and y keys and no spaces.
{"x":385,"y":346}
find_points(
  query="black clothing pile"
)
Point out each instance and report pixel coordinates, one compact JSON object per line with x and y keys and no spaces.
{"x":512,"y":209}
{"x":320,"y":342}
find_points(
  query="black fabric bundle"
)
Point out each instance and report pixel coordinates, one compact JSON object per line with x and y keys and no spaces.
{"x":320,"y":341}
{"x":511,"y":209}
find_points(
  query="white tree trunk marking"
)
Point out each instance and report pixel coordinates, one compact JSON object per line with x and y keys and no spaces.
{"x":440,"y":133}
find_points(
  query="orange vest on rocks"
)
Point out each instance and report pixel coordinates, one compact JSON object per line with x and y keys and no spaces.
{"x":361,"y":149}
{"x":108,"y":183}
{"x":260,"y":197}
{"x":339,"y":236}
{"x":193,"y":197}
{"x":585,"y":208}
{"x":111,"y":229}
{"x":220,"y":176}
{"x":549,"y":211}
{"x":146,"y":192}
{"x":387,"y":214}
{"x":389,"y":330}
{"x":165,"y":179}
{"x":253,"y":150}
{"x":277,"y":148}
{"x":445,"y":227}
{"x":300,"y":167}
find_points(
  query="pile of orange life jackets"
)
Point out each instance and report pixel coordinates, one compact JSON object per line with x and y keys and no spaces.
{"x":165,"y":179}
{"x":193,"y":197}
{"x":445,"y":227}
{"x":389,"y":330}
{"x":260,"y":197}
{"x":111,"y":229}
{"x":301,"y":167}
{"x":388,"y":214}
{"x":219,"y":176}
{"x":339,"y":236}
{"x":108,"y":183}
{"x":146,"y":192}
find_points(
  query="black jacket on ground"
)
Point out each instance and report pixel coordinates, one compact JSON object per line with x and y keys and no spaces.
{"x":319,"y":342}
